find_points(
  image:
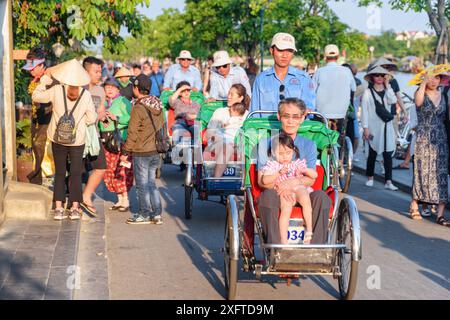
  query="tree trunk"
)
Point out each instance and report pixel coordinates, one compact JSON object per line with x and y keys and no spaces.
{"x":439,"y":22}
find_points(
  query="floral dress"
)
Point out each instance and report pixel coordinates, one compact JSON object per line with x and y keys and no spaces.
{"x":431,"y":154}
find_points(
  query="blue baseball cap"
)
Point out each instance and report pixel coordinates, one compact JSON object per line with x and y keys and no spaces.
{"x":32,"y":63}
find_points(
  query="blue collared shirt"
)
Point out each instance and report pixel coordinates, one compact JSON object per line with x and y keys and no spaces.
{"x":175,"y":75}
{"x":157,"y":80}
{"x":266,"y":89}
{"x":307,"y":148}
{"x":221,"y":85}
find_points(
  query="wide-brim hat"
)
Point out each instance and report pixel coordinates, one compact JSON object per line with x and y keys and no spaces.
{"x":184,"y":54}
{"x":376,"y":70}
{"x":440,"y":69}
{"x":70,"y":73}
{"x":123,"y":72}
{"x":32,"y":63}
{"x":383,"y":62}
{"x":221,"y":58}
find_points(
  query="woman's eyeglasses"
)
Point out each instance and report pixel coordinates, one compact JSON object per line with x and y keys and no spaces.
{"x":378,"y":75}
{"x":282,"y":87}
{"x":223,"y":67}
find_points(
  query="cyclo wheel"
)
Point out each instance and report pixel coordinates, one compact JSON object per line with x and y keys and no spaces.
{"x":345,"y":165}
{"x":231,"y":248}
{"x":188,"y":201}
{"x":348,"y":258}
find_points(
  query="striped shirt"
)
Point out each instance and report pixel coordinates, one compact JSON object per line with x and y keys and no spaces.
{"x":295,"y":169}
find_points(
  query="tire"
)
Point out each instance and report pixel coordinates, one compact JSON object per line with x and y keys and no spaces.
{"x":348,"y":259}
{"x":188,"y":201}
{"x":231,"y":248}
{"x":345,"y":170}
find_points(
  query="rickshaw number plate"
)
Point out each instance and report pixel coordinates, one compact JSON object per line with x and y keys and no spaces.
{"x":296,"y":234}
{"x":229,"y":172}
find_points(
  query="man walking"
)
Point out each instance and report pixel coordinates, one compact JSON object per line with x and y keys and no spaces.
{"x":157,"y":79}
{"x":141,"y":144}
{"x":282,"y":80}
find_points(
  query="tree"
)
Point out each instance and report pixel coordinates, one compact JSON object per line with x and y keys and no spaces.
{"x":70,"y":22}
{"x":438,"y":12}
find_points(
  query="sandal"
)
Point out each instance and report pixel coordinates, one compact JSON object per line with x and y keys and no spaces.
{"x":308,"y":237}
{"x":415,"y":214}
{"x":443,"y":222}
{"x":89,"y":209}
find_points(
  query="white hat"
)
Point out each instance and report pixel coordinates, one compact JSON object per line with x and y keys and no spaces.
{"x":283,"y":41}
{"x":331,"y":50}
{"x":184,"y":54}
{"x":376,"y":70}
{"x":221,"y":58}
{"x":70,"y":73}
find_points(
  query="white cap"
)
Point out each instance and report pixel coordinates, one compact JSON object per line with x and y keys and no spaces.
{"x":331,"y":50}
{"x":283,"y":41}
{"x":184,"y":54}
{"x":221,"y":58}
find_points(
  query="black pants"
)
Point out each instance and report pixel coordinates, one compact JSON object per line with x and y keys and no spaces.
{"x":75,"y":156}
{"x":38,"y":141}
{"x":269,"y":207}
{"x":387,"y":164}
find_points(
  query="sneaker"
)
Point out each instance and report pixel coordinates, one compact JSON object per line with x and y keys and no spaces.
{"x":426,"y":212}
{"x":138,"y":220}
{"x":390,"y":186}
{"x":157,"y":219}
{"x":60,"y":214}
{"x":74,"y":214}
{"x":369,"y":183}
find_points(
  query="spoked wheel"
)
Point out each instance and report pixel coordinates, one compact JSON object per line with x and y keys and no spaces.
{"x":345,"y":165}
{"x":348,"y":258}
{"x":231,"y":248}
{"x":188,"y":201}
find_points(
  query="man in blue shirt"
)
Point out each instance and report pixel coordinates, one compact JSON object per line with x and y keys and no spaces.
{"x":282,"y":81}
{"x":157,"y":79}
{"x":183,"y":71}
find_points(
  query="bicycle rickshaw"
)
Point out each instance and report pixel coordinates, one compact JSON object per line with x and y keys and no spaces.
{"x":338,"y":257}
{"x":201,"y":164}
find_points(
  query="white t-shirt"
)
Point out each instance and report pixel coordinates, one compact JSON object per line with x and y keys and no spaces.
{"x":333,"y":85}
{"x":224,"y":124}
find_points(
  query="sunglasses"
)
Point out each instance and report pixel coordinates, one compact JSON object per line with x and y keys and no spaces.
{"x":282,"y":87}
{"x":378,"y":75}
{"x":224,"y":66}
{"x":184,"y":59}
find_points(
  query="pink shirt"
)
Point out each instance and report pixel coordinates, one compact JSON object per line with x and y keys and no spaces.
{"x":295,"y":169}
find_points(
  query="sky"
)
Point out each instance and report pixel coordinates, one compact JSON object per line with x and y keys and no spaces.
{"x":368,"y":20}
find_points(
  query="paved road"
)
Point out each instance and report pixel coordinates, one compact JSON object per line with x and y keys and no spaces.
{"x":182,"y":259}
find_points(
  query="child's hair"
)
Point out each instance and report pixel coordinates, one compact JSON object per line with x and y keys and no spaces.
{"x":239,"y":107}
{"x":283,"y":139}
{"x":183,"y":83}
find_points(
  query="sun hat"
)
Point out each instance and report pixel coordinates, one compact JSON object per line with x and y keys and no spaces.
{"x":382,"y":62}
{"x":32,"y":63}
{"x":376,"y":70}
{"x":331,"y":50}
{"x":112,"y":82}
{"x":283,"y":41}
{"x":221,"y":58}
{"x":123,"y":72}
{"x":184,"y":54}
{"x":70,"y":73}
{"x":440,"y":69}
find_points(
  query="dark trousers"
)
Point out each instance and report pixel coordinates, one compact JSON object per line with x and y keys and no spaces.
{"x":38,"y":141}
{"x":75,"y":155}
{"x":269,"y":209}
{"x":371,"y":164}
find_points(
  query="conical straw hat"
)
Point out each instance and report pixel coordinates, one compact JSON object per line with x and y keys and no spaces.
{"x":70,"y":73}
{"x":440,"y":69}
{"x":124,"y":72}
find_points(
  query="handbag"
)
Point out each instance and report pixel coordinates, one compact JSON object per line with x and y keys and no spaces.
{"x":113,"y":140}
{"x":381,"y":110}
{"x":161,"y":137}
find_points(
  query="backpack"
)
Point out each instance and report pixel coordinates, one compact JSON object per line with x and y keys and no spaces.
{"x":161,"y":137}
{"x":66,"y":128}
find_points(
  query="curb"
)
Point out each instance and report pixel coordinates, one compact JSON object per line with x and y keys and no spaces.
{"x":380,"y":178}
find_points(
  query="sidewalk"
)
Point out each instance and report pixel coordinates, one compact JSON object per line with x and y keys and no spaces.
{"x":401,"y":178}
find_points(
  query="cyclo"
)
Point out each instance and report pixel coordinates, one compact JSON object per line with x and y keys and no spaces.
{"x":201,"y":163}
{"x":338,"y":257}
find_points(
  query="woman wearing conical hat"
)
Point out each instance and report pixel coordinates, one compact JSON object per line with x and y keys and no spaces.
{"x":67,"y":98}
{"x":431,"y":154}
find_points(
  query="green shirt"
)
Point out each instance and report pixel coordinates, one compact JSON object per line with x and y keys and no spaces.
{"x":121,"y":108}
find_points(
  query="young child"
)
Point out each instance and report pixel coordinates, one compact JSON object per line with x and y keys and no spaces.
{"x":222,"y":129}
{"x":281,"y":168}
